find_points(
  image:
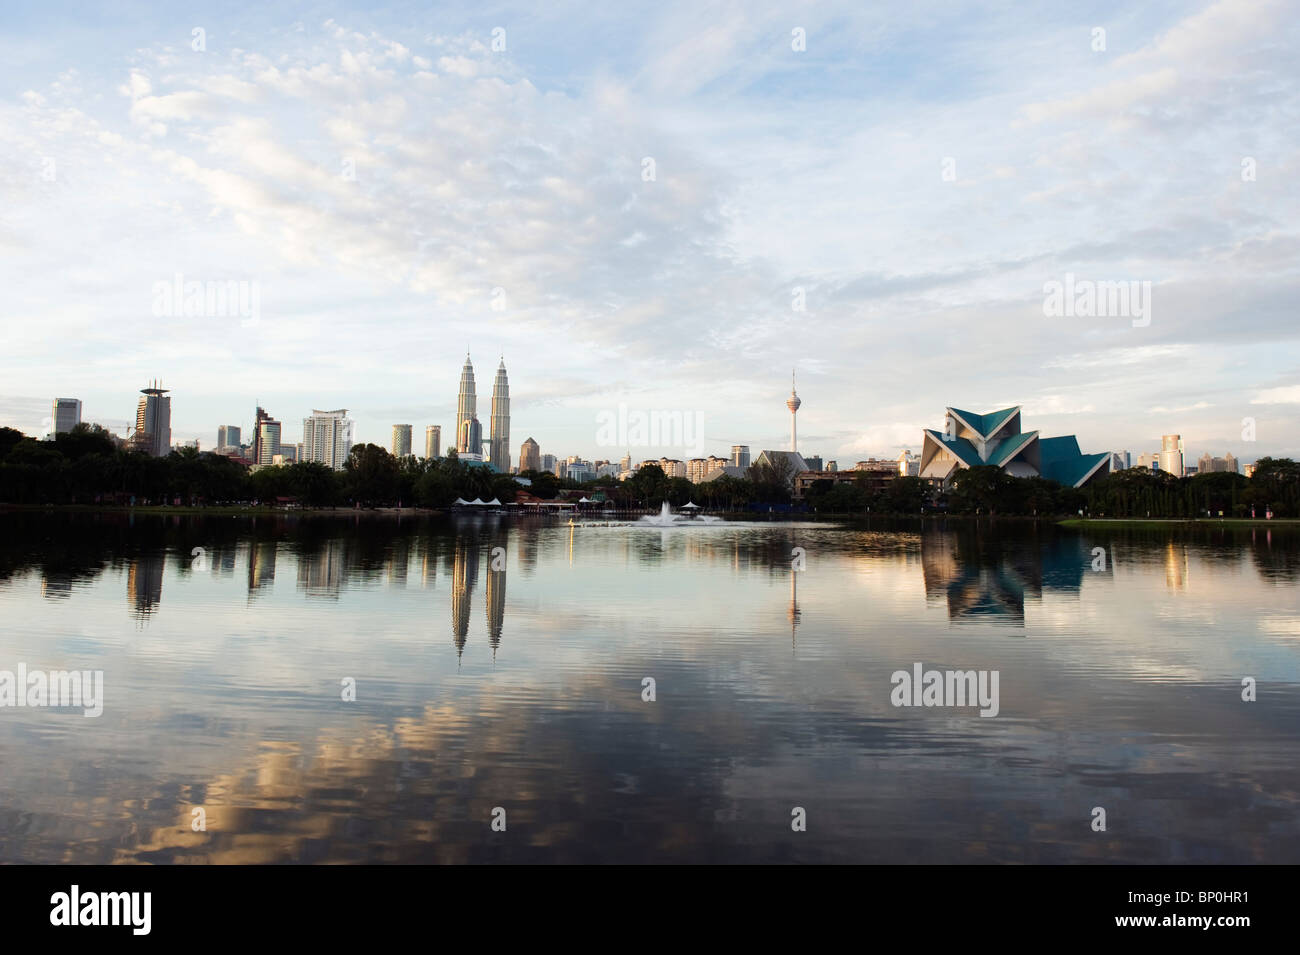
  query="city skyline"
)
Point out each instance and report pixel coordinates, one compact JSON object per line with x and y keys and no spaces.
{"x":895,"y":197}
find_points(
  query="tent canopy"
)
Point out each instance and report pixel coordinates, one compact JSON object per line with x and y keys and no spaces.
{"x":694,"y":507}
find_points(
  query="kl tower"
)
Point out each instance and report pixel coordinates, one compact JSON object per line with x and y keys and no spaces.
{"x":793,"y":404}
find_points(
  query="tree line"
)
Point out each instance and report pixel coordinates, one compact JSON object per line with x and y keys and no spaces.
{"x":86,"y":466}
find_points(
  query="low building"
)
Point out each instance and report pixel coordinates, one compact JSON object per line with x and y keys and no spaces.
{"x":871,"y":480}
{"x":995,"y":439}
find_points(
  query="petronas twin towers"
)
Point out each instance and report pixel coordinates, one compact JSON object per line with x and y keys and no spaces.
{"x":469,"y":433}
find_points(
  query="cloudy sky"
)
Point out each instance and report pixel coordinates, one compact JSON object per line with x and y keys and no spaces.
{"x":630,"y":201}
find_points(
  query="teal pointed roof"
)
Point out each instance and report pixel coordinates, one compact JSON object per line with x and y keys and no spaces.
{"x":985,"y":424}
{"x":961,"y":447}
{"x":1063,"y":462}
{"x":1007,"y":448}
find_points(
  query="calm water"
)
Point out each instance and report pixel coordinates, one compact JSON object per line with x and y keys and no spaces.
{"x":512,"y":678}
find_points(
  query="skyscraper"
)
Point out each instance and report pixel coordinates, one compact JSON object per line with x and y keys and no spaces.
{"x":740,"y":455}
{"x":153,"y":422}
{"x":433,"y":441}
{"x":471,"y":439}
{"x":500,"y":422}
{"x":401,"y":440}
{"x":327,"y":438}
{"x":268,"y":441}
{"x":228,"y":436}
{"x":258,"y":419}
{"x":530,"y":456}
{"x":466,"y":409}
{"x":1171,"y":454}
{"x":65,"y":415}
{"x":793,"y":404}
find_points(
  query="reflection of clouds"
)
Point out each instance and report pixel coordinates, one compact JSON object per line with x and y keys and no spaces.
{"x":1124,"y":690}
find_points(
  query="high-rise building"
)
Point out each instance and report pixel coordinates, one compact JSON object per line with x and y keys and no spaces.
{"x":530,"y":456}
{"x":268,"y":441}
{"x":153,"y":422}
{"x":228,"y":436}
{"x":1120,"y":460}
{"x":740,"y":455}
{"x":258,"y":419}
{"x":695,"y":470}
{"x":65,"y":415}
{"x":814,"y":462}
{"x":327,"y":438}
{"x":909,"y":465}
{"x":470,"y":442}
{"x":1171,"y":454}
{"x":793,"y":404}
{"x":548,"y":463}
{"x":401,"y":440}
{"x":626,"y":463}
{"x":466,"y":409}
{"x":433,"y":441}
{"x":1208,"y":462}
{"x":500,"y":421}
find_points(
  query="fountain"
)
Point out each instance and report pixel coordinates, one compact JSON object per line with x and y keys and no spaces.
{"x":666,"y":518}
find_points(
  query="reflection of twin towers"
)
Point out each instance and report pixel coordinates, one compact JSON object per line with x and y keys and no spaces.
{"x":465,"y":560}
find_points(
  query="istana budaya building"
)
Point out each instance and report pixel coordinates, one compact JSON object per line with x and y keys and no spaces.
{"x":996,"y":439}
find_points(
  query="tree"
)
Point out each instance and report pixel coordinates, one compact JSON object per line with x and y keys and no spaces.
{"x":906,"y":495}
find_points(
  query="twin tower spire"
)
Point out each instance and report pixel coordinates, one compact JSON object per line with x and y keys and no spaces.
{"x":469,"y":433}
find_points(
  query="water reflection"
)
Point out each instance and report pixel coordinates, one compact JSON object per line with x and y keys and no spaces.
{"x":984,"y":576}
{"x":1124,"y":693}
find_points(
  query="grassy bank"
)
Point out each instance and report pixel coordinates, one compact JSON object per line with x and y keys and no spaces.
{"x":1096,"y":522}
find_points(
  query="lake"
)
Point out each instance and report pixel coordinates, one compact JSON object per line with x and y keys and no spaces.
{"x":374,"y":689}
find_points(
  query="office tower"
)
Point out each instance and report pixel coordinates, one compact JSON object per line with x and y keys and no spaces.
{"x":740,"y":455}
{"x":65,"y":415}
{"x":268,"y":441}
{"x":909,"y":465}
{"x":832,"y":466}
{"x":153,"y":423}
{"x":228,"y":436}
{"x":288,"y":452}
{"x":1120,"y":460}
{"x":327,"y":438}
{"x":1171,"y":454}
{"x":530,"y":456}
{"x":626,"y":463}
{"x":814,"y":462}
{"x":470,"y":442}
{"x":258,"y":420}
{"x":1209,"y":463}
{"x":793,"y":404}
{"x":500,"y":421}
{"x":401,"y":440}
{"x":466,"y":409}
{"x":548,"y":463}
{"x":433,"y":441}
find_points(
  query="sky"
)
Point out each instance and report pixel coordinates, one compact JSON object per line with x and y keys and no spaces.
{"x":658,"y":207}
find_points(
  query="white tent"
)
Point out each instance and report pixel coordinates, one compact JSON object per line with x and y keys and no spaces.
{"x":460,"y":502}
{"x":477,"y":502}
{"x":693,"y":507}
{"x":495,"y":502}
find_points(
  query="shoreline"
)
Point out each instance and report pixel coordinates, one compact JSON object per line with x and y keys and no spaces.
{"x":1094,"y":522}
